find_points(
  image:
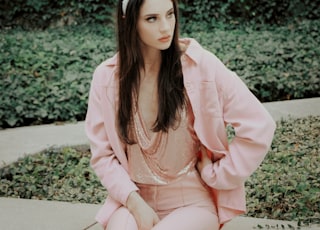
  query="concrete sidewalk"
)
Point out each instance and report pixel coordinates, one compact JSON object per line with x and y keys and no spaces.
{"x":50,"y":215}
{"x":17,"y":214}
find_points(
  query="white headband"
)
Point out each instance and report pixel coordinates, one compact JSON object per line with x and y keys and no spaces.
{"x":124,"y":6}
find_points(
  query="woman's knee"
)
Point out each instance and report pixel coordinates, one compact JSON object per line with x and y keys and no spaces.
{"x":122,"y":219}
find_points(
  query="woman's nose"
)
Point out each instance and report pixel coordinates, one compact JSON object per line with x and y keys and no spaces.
{"x":164,"y":25}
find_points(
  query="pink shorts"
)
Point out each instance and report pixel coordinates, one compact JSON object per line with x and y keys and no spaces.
{"x":184,"y":204}
{"x":187,"y":191}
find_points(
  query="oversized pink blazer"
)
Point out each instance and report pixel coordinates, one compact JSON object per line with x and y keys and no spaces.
{"x":218,"y":97}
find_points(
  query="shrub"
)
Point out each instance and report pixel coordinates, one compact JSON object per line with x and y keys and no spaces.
{"x":45,"y":13}
{"x":277,"y":63}
{"x":45,"y":76}
{"x":235,"y":11}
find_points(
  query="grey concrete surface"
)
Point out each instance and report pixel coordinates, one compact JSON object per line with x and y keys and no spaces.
{"x":50,"y":215}
{"x":17,"y":142}
{"x":294,"y":108}
{"x":17,"y":214}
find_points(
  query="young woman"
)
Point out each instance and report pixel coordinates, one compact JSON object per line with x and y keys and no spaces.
{"x":156,"y":123}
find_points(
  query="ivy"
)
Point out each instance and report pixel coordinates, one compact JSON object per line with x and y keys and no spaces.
{"x":33,"y":14}
{"x":45,"y":76}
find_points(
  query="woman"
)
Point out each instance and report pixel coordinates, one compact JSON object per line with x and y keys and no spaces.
{"x":156,"y":123}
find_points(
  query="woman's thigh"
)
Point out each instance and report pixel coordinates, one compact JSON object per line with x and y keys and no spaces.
{"x":189,"y":218}
{"x":122,"y":219}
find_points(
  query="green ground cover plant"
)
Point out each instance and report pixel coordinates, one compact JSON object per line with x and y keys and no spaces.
{"x":45,"y":75}
{"x":276,"y":63}
{"x":33,"y":14}
{"x":286,"y":186}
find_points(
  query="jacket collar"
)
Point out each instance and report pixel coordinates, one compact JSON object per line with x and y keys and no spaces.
{"x":113,"y":61}
{"x":193,"y":51}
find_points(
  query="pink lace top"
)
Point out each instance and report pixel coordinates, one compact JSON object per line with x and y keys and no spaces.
{"x":162,"y":157}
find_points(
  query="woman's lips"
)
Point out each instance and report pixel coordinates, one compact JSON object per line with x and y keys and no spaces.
{"x":165,"y":39}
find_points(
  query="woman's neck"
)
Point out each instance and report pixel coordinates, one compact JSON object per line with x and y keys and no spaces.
{"x":152,"y":62}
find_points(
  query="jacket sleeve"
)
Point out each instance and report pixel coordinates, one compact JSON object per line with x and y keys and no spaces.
{"x":254,"y":130}
{"x":103,"y":159}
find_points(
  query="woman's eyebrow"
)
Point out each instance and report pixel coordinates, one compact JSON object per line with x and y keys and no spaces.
{"x":156,"y":14}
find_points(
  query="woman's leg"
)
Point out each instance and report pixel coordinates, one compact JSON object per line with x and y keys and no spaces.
{"x":189,"y":218}
{"x":122,"y":219}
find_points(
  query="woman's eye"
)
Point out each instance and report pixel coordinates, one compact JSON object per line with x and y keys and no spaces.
{"x":151,"y":19}
{"x":171,"y":14}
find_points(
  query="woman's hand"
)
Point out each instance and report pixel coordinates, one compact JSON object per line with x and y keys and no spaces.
{"x":144,"y":215}
{"x":203,"y":159}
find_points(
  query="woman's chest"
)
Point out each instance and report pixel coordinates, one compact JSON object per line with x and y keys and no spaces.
{"x":148,"y":104}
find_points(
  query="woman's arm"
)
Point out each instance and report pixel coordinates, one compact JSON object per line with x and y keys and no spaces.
{"x":103,"y":160}
{"x":144,"y":215}
{"x":254,"y":130}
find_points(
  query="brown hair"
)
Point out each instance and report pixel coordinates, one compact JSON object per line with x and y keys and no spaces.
{"x":170,"y":81}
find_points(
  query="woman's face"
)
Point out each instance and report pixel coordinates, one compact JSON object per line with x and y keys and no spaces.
{"x":156,"y":24}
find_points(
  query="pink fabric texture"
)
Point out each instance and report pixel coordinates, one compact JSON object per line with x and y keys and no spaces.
{"x":163,"y":157}
{"x":218,"y":97}
{"x":186,"y":218}
{"x":189,"y":190}
{"x":184,"y":204}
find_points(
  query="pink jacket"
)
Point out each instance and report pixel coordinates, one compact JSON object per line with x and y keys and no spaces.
{"x":218,"y":97}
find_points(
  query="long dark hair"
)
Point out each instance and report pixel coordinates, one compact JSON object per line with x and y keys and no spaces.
{"x":170,"y":80}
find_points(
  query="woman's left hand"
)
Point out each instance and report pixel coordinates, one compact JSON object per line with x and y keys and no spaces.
{"x":203,"y":159}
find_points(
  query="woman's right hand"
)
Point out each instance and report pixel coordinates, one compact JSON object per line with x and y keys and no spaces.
{"x":144,"y":215}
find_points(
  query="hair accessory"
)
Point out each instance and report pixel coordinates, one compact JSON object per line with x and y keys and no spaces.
{"x":124,"y":6}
